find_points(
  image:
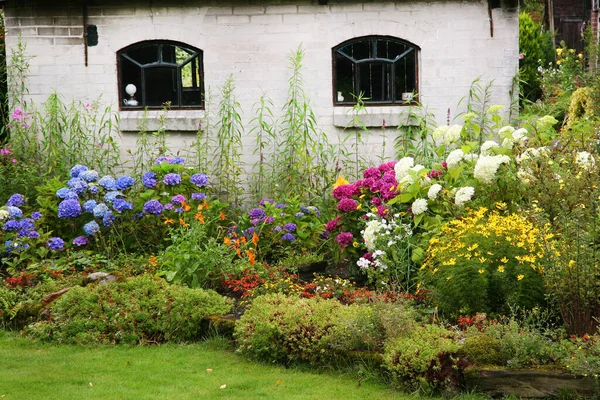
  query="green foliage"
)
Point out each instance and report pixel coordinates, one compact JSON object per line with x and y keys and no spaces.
{"x":536,"y":47}
{"x":482,"y":350}
{"x":425,"y":358}
{"x":140,"y":310}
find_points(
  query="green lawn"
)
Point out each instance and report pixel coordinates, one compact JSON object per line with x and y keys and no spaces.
{"x":39,"y":371}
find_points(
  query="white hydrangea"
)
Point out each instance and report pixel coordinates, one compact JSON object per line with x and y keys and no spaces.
{"x":439,"y":132}
{"x":411,"y":176}
{"x":487,"y":166}
{"x":471,"y":157}
{"x":508,"y":143}
{"x":487,"y":146}
{"x":463,"y":195}
{"x":506,"y":129}
{"x":434,"y":190}
{"x":3,"y":215}
{"x":584,"y":159}
{"x":449,"y":134}
{"x":532,"y":153}
{"x":454,"y":158}
{"x":520,"y":136}
{"x":373,"y":227}
{"x":401,"y":168}
{"x":419,"y":206}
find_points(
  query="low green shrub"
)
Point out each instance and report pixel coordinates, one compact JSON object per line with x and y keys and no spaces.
{"x":483,"y":350}
{"x":141,"y":310}
{"x":425,"y":358}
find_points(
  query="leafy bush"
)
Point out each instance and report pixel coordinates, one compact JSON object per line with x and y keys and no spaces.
{"x":536,"y":47}
{"x":482,"y":350}
{"x":138,"y":310}
{"x":485,"y":261}
{"x":424,"y":358}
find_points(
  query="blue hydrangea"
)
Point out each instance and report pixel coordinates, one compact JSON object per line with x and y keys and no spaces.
{"x":248,"y":232}
{"x":71,"y":195}
{"x":152,"y":207}
{"x":36,"y":215}
{"x":16,"y":200}
{"x":124,"y":182}
{"x":77,"y":170}
{"x":89,"y":176}
{"x":77,"y":185}
{"x":199,"y":180}
{"x":265,"y":200}
{"x":257,"y":214}
{"x":280,"y":205}
{"x":176,"y":160}
{"x":11,"y":225}
{"x":149,"y":180}
{"x":89,"y":205}
{"x":91,"y":228}
{"x":289,"y":227}
{"x":172,"y":179}
{"x":179,"y":210}
{"x":56,"y":244}
{"x":69,"y":209}
{"x":80,"y":241}
{"x":121,"y":205}
{"x":299,"y":215}
{"x":14,"y":212}
{"x":178,"y":199}
{"x":111,"y":196}
{"x":108,"y":219}
{"x":15,"y":246}
{"x":305,"y":210}
{"x":93,"y":189}
{"x":100,"y":210}
{"x":62,"y":192}
{"x":169,"y":206}
{"x":198,"y":196}
{"x":288,"y":237}
{"x":27,"y":224}
{"x":277,"y":228}
{"x":33,"y":234}
{"x":108,"y":182}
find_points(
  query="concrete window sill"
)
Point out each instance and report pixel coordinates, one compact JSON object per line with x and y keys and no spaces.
{"x":374,"y":117}
{"x":176,"y":120}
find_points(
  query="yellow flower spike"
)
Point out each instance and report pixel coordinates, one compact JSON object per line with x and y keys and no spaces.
{"x":339,"y":182}
{"x":520,"y":277}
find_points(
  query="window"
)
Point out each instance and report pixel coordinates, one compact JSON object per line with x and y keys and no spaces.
{"x":382,"y":68}
{"x":160,"y":72}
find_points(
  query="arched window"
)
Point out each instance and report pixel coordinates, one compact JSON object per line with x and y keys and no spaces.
{"x":382,"y":68}
{"x":153,"y":73}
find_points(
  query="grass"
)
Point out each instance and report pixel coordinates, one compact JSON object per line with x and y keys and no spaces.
{"x":33,"y":370}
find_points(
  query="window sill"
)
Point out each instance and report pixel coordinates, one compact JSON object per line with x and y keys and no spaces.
{"x":153,"y":120}
{"x":374,"y":117}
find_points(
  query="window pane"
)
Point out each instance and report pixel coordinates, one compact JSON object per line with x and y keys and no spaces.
{"x":145,"y":54}
{"x":182,"y":54}
{"x":168,"y":54}
{"x":191,"y":97}
{"x":359,"y":50}
{"x":130,"y":73}
{"x":190,"y":74}
{"x":406,"y":75}
{"x":161,"y":86}
{"x":389,"y":49}
{"x":374,"y":81}
{"x":344,"y":79}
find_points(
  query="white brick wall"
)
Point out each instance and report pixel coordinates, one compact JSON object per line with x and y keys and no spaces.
{"x":254,"y":42}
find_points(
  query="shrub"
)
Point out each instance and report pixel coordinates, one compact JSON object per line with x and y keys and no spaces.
{"x":536,"y":47}
{"x":483,"y":350}
{"x":425,"y":358}
{"x":485,"y":261}
{"x":138,"y":310}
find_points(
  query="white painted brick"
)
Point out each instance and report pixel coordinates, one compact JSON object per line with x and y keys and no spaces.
{"x":267,"y":19}
{"x":346,"y":9}
{"x":380,"y":7}
{"x":281,"y":9}
{"x":248,"y":10}
{"x":233,"y":19}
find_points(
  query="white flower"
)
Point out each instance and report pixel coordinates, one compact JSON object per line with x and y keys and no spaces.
{"x":471,"y":157}
{"x":584,"y":159}
{"x":454,"y":158}
{"x":463,"y":195}
{"x":508,"y":143}
{"x":453,"y":134}
{"x":487,"y":166}
{"x":3,"y":215}
{"x":403,"y":166}
{"x":419,"y":206}
{"x":520,"y":136}
{"x":506,"y":129}
{"x":433,"y":191}
{"x":363,"y":263}
{"x":486,"y":148}
{"x":532,"y":153}
{"x":370,"y":233}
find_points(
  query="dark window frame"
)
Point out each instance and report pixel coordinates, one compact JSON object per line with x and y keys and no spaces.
{"x":375,"y":61}
{"x":196,"y":56}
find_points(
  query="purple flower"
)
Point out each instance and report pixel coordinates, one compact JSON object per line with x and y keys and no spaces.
{"x":77,"y":185}
{"x":14,"y":212}
{"x":178,"y":160}
{"x":78,"y":169}
{"x":288,"y":237}
{"x":71,"y":195}
{"x":347,"y":205}
{"x":269,"y":220}
{"x":69,"y":209}
{"x":172,"y":179}
{"x":93,"y":189}
{"x":36,"y":215}
{"x":100,"y":210}
{"x":169,"y":206}
{"x":149,"y":180}
{"x":179,"y":210}
{"x":11,"y":225}
{"x":33,"y":234}
{"x":344,"y":239}
{"x":89,"y":176}
{"x":124,"y":182}
{"x":80,"y":241}
{"x":257,"y":214}
{"x":19,"y":114}
{"x":16,"y":200}
{"x":280,"y":205}
{"x":62,"y":192}
{"x":299,"y":215}
{"x":199,"y":180}
{"x":333,"y":224}
{"x":108,"y":182}
{"x":89,"y":205}
{"x":91,"y":228}
{"x":277,"y":228}
{"x":121,"y":205}
{"x":376,"y":201}
{"x":108,"y":218}
{"x":248,"y":232}
{"x":56,"y":243}
{"x":290,"y":227}
{"x":178,"y":199}
{"x":112,"y":196}
{"x":345,"y":191}
{"x":198,"y":196}
{"x":324,"y":235}
{"x":266,"y":200}
{"x":152,"y":207}
{"x":372,"y":173}
{"x":27,"y":224}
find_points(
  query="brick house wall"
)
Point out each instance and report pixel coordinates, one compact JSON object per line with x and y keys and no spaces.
{"x":253,"y":39}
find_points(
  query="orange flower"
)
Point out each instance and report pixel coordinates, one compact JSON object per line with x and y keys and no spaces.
{"x":222,"y":216}
{"x":153,"y":260}
{"x":251,"y":256}
{"x":205,"y":204}
{"x":254,"y":239}
{"x":185,"y":206}
{"x":200,"y":217}
{"x":200,"y":207}
{"x":227,"y":241}
{"x":244,"y":239}
{"x":183,"y":223}
{"x":168,"y":221}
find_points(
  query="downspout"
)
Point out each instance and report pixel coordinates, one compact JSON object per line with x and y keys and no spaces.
{"x":85,"y":35}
